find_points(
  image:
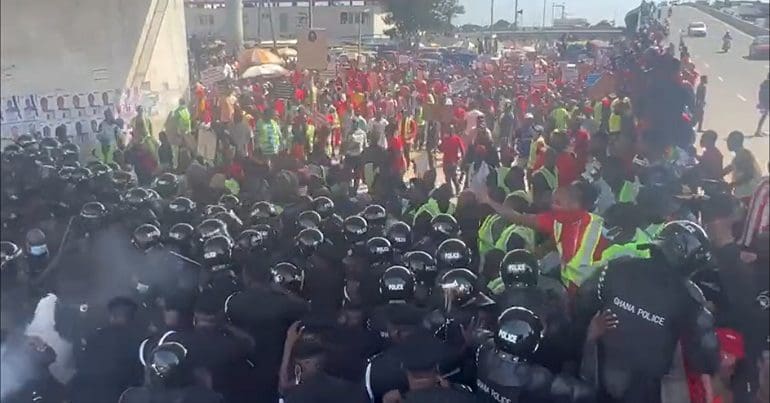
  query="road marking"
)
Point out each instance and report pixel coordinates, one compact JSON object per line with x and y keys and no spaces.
{"x":720,"y":78}
{"x":706,"y":65}
{"x":741,"y":97}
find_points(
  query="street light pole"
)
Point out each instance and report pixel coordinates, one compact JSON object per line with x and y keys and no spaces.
{"x":544,"y":8}
{"x":310,"y":5}
{"x":516,"y":15}
{"x":491,"y":14}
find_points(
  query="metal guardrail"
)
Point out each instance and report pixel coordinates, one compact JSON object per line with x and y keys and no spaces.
{"x":737,"y":23}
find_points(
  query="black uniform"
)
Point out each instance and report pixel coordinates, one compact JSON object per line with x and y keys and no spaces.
{"x":323,"y":388}
{"x":503,"y":378}
{"x":656,"y":308}
{"x":188,"y":394}
{"x":107,"y":364}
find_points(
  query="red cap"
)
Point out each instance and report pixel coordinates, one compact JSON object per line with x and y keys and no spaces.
{"x":731,"y":343}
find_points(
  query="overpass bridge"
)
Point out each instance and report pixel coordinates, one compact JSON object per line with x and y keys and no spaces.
{"x":579,"y":34}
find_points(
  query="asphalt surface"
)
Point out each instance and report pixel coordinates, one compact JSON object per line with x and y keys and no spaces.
{"x":732,"y":94}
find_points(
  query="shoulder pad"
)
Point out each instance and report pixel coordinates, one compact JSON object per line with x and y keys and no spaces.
{"x":569,"y":389}
{"x":462,"y":388}
{"x":695,"y":292}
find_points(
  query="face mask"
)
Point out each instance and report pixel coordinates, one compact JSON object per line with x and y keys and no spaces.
{"x":38,"y":250}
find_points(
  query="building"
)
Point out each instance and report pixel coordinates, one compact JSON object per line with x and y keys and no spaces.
{"x":343,"y":20}
{"x":65,"y":65}
{"x":571,"y":23}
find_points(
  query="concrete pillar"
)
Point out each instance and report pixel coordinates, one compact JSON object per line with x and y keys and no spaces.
{"x":235,"y":25}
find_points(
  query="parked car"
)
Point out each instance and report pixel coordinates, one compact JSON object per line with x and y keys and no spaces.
{"x":696,"y":29}
{"x":760,"y":47}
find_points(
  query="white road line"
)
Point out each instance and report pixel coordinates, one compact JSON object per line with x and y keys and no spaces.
{"x":741,"y":97}
{"x":720,"y":78}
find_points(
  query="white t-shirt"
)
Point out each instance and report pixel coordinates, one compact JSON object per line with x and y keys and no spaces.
{"x":377,"y":128}
{"x":471,"y":122}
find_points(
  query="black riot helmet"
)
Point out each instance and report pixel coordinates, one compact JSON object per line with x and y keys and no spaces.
{"x":268,"y":233}
{"x":397,"y":283}
{"x":218,"y":252}
{"x":234,"y":223}
{"x":323,"y":206}
{"x":136,"y":197}
{"x":444,"y":226}
{"x":308,"y":219}
{"x":459,"y":285}
{"x":400,"y":236}
{"x":288,"y":276}
{"x":262,"y":212}
{"x":181,"y":234}
{"x":9,"y":252}
{"x":181,"y":209}
{"x":122,"y":180}
{"x":375,"y":215}
{"x":249,"y":241}
{"x":65,"y":173}
{"x":355,"y":228}
{"x":25,"y":140}
{"x":93,"y":214}
{"x":452,"y":254}
{"x":100,"y":171}
{"x":49,"y":145}
{"x":210,"y":228}
{"x":167,"y":185}
{"x":519,"y":332}
{"x":145,"y":237}
{"x":332,"y":226}
{"x":81,"y":175}
{"x":519,"y":269}
{"x":308,"y":241}
{"x":230,"y":201}
{"x":212,"y":210}
{"x":379,"y":250}
{"x":167,"y":365}
{"x":423,"y":265}
{"x":684,"y":245}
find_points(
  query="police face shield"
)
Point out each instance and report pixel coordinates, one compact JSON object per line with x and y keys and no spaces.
{"x":288,"y":276}
{"x":423,"y":266}
{"x":400,"y":236}
{"x":355,"y":228}
{"x":324,"y":206}
{"x":519,"y":269}
{"x":308,"y":241}
{"x":308,"y":219}
{"x":92,"y":216}
{"x":397,"y":283}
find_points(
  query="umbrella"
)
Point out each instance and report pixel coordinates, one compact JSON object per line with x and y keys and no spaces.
{"x":256,"y":57}
{"x":265,"y":71}
{"x":287,"y":52}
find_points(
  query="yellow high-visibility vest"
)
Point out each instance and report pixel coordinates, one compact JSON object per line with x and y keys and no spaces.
{"x":582,"y":265}
{"x":432,"y":208}
{"x":528,"y":234}
{"x":486,"y":238}
{"x":551,"y":177}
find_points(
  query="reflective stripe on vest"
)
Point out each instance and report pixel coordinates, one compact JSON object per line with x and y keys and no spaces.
{"x":525,"y":233}
{"x":432,"y":208}
{"x":582,"y":264}
{"x":502,"y":172}
{"x":628,"y":192}
{"x":496,"y":286}
{"x":551,"y":178}
{"x":486,"y":238}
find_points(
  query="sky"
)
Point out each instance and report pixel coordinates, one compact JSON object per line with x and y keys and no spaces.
{"x":478,"y":11}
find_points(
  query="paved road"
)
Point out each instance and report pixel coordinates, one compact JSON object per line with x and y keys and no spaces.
{"x":733,"y":79}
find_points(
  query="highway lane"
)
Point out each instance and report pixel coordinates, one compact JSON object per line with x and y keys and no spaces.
{"x":733,"y":79}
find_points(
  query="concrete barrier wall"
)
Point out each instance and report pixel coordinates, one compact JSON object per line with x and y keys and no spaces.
{"x":739,"y":24}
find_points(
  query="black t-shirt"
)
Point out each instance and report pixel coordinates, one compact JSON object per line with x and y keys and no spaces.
{"x":325,"y":389}
{"x":453,"y":394}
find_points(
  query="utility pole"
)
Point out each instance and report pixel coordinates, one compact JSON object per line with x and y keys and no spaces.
{"x":235,"y":22}
{"x":259,"y":22}
{"x":516,"y":15}
{"x":272,"y":28}
{"x":310,"y":6}
{"x":544,"y":8}
{"x":491,"y":14}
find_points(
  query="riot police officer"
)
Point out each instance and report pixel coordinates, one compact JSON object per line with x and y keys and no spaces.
{"x":423,"y":265}
{"x":506,"y":371}
{"x":324,"y":206}
{"x":442,"y":227}
{"x":170,"y":377}
{"x":376,"y":217}
{"x":654,"y":301}
{"x":452,"y":254}
{"x":399,"y":234}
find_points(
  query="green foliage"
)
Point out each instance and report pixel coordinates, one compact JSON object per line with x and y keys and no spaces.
{"x":410,"y":17}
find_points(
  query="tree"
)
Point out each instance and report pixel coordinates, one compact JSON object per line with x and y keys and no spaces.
{"x":501,"y":25}
{"x":410,"y":17}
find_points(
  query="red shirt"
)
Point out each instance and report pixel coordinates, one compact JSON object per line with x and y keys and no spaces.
{"x":574,"y":224}
{"x":396,"y":148}
{"x":451,"y":147}
{"x":568,"y":167}
{"x":580,"y":143}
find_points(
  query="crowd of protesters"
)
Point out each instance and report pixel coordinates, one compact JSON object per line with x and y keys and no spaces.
{"x":390,"y":235}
